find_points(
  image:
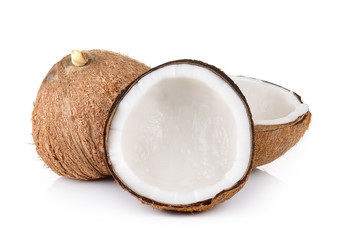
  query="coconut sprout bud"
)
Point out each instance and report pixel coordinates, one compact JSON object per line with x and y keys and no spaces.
{"x":78,"y":58}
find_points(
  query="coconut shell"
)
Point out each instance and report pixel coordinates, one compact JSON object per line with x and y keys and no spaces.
{"x":198,"y":206}
{"x":71,"y":108}
{"x":272,"y":141}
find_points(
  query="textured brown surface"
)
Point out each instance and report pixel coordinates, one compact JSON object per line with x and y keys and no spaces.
{"x":199,"y":206}
{"x":71,"y":108}
{"x":272,"y":141}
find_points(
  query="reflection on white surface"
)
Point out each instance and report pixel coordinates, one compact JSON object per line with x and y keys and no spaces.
{"x":101,"y":195}
{"x":260,"y":190}
{"x":106,"y":196}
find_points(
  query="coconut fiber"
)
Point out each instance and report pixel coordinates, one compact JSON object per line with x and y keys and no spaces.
{"x":71,"y":108}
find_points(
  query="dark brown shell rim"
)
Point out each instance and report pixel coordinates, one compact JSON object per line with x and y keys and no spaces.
{"x":125,"y":91}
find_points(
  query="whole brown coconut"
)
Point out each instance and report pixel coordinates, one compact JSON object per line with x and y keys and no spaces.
{"x":72,"y":106}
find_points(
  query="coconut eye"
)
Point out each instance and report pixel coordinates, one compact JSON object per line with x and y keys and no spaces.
{"x":51,"y":75}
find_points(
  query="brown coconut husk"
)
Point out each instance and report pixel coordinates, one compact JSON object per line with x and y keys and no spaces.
{"x":71,"y":108}
{"x":272,"y":141}
{"x":198,"y":206}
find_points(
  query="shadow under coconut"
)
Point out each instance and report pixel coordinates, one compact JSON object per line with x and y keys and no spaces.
{"x":106,"y":194}
{"x":260,"y":190}
{"x":99,"y":195}
{"x":103,"y":196}
{"x":83,"y":190}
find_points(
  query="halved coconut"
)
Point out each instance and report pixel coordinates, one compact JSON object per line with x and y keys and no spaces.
{"x":279,"y":115}
{"x":180,"y":137}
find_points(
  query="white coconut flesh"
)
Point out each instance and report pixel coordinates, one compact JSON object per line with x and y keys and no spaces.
{"x":181,"y":135}
{"x":270,"y":104}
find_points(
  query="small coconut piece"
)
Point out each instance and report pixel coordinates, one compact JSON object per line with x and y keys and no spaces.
{"x":180,"y":137}
{"x":72,"y":106}
{"x":280,"y":117}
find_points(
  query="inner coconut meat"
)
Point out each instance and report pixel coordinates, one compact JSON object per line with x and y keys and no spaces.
{"x":270,"y":104}
{"x":180,"y":135}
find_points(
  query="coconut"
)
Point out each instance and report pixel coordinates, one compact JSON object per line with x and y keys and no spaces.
{"x":72,"y":106}
{"x":180,"y":137}
{"x":280,"y":117}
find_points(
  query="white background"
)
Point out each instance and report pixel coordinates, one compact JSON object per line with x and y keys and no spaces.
{"x":296,"y":44}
